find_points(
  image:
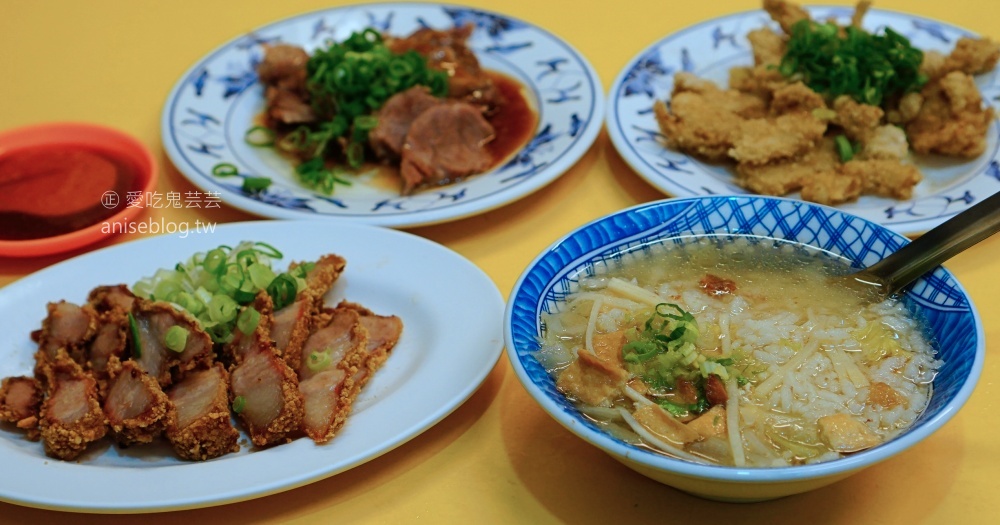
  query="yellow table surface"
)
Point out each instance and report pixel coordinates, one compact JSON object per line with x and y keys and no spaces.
{"x":499,"y":458}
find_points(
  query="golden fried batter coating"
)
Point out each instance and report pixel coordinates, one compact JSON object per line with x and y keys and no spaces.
{"x":786,"y":14}
{"x":759,"y":81}
{"x":857,"y":120}
{"x":271,"y":405}
{"x":796,"y":98}
{"x":71,"y":417}
{"x":762,"y":141}
{"x":704,"y":119}
{"x":137,"y":410}
{"x":952,"y":120}
{"x":885,"y":177}
{"x":20,"y":401}
{"x":973,"y":56}
{"x":202,"y":429}
{"x":790,"y":175}
{"x":768,"y":46}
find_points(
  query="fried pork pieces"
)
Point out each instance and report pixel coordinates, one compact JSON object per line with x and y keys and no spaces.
{"x":297,"y":374}
{"x":779,"y":134}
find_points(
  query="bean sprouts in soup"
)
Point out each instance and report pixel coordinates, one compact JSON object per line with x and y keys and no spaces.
{"x":738,"y":352}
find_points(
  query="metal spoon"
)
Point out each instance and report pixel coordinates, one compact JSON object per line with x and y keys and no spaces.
{"x":899,"y":269}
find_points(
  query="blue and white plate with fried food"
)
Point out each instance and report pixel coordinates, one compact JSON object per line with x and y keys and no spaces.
{"x":711,"y":49}
{"x":215,"y":103}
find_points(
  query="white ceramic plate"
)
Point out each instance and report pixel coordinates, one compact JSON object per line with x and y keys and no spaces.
{"x":216,"y":101}
{"x":445,"y":302}
{"x":711,"y":48}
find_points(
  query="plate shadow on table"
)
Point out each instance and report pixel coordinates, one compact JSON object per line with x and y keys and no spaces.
{"x":310,"y":499}
{"x":577,"y":483}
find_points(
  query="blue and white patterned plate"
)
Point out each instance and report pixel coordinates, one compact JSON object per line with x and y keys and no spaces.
{"x":948,"y":315}
{"x":217,"y":100}
{"x":711,"y":48}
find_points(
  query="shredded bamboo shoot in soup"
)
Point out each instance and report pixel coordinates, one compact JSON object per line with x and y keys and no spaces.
{"x":738,"y":352}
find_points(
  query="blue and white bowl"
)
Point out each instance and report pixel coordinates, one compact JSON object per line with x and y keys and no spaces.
{"x":950,"y":319}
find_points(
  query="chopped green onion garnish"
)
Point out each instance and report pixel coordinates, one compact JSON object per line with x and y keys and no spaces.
{"x":165,"y":290}
{"x":239,"y":403}
{"x":318,"y":361}
{"x":232,"y":278}
{"x":867,"y":67}
{"x":256,"y":184}
{"x":282,"y":290}
{"x":176,"y":338}
{"x":215,"y":261}
{"x":225,"y":169}
{"x":222,"y":308}
{"x":260,"y":275}
{"x":355,"y":155}
{"x":259,"y":136}
{"x":133,"y":329}
{"x":248,"y":320}
{"x":268,"y":250}
{"x":844,"y":148}
{"x":213,"y":286}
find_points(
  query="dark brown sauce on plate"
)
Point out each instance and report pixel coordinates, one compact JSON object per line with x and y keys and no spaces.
{"x":515,"y":121}
{"x":51,"y":190}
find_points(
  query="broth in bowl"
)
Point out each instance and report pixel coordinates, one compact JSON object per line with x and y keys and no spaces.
{"x":737,"y":351}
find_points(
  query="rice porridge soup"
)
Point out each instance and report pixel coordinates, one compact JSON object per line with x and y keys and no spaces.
{"x":738,"y":352}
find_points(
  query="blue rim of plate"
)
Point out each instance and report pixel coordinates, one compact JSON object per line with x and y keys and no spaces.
{"x":938,"y":297}
{"x":715,"y":45}
{"x":206,"y":115}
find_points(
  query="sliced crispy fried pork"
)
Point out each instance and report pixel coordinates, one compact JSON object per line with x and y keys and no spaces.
{"x":71,"y":417}
{"x":293,"y":324}
{"x":333,"y":361}
{"x":67,"y":326}
{"x":383,"y":334}
{"x":445,"y":143}
{"x":20,"y":400}
{"x":291,"y":329}
{"x":104,"y":298}
{"x":110,"y":340}
{"x":331,"y":358}
{"x":242,"y":343}
{"x":203,"y":429}
{"x":263,"y":388}
{"x":321,"y":276}
{"x":136,"y":407}
{"x":153,"y":319}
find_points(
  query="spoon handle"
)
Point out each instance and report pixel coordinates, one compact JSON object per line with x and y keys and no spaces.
{"x":938,"y":245}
